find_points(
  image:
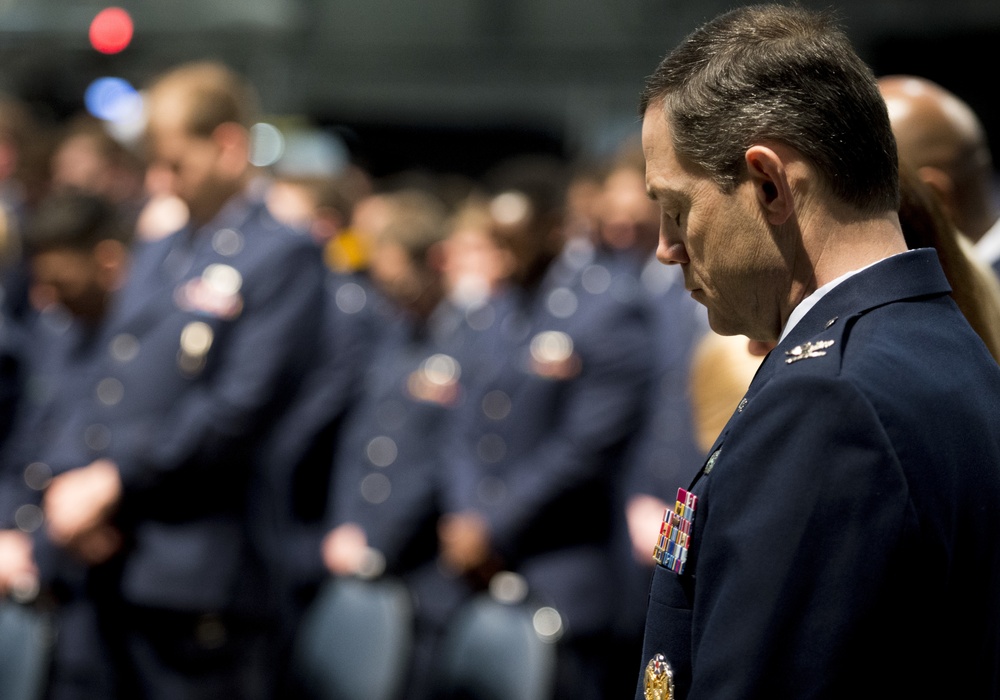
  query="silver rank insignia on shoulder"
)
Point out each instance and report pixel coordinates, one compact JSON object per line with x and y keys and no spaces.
{"x":658,"y":681}
{"x":807,"y":350}
{"x":674,"y":540}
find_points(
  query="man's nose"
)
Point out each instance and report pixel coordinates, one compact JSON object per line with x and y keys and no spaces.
{"x":671,"y":253}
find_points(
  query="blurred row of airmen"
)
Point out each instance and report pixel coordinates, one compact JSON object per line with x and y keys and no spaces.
{"x":206,"y":426}
{"x":485,"y":390}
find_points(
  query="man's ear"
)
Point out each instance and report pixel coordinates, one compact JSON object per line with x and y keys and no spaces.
{"x":769,"y":178}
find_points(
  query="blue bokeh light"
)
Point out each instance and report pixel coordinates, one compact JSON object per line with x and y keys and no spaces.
{"x":113,"y":100}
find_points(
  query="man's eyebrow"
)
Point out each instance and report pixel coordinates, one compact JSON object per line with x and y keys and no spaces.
{"x":664,"y":195}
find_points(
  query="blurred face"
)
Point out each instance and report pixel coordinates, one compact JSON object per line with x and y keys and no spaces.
{"x":190,"y":165}
{"x":519,"y":234}
{"x":68,"y":277}
{"x":628,"y":219}
{"x":78,"y":163}
{"x":727,"y":251}
{"x":473,"y":263}
{"x":403,"y":281}
{"x":291,"y":204}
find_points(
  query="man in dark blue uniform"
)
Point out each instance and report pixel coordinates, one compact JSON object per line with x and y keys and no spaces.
{"x":384,"y":498}
{"x":209,"y":338}
{"x":77,"y":248}
{"x":383,"y":505}
{"x":842,"y":539}
{"x":528,"y":487}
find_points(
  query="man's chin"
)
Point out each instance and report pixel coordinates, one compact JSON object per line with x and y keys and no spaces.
{"x":721,"y":325}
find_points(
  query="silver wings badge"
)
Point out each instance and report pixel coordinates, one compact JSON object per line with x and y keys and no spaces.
{"x":807,"y":350}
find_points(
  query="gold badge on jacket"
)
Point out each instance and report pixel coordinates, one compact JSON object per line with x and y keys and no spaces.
{"x":658,"y":681}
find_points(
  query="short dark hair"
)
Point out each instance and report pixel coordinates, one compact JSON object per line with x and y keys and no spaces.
{"x":74,"y":220}
{"x":785,"y":74}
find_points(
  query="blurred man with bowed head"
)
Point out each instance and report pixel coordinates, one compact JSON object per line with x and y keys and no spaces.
{"x":209,"y":338}
{"x":843,"y":537}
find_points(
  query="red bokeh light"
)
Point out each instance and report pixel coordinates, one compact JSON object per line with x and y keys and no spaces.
{"x":111,"y":30}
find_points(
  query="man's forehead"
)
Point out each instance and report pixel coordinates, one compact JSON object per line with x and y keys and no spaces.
{"x":654,"y":127}
{"x":664,"y":170}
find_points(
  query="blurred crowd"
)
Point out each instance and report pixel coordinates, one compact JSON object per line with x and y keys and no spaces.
{"x":224,"y":389}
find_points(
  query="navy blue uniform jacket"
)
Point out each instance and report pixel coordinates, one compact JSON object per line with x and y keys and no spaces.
{"x":388,"y":458}
{"x":212,"y":334}
{"x":846,"y":541}
{"x":61,"y":374}
{"x":543,"y":431}
{"x":291,"y":499}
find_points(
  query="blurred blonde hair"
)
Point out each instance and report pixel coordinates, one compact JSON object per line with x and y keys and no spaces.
{"x":975,"y":288}
{"x":722,"y":368}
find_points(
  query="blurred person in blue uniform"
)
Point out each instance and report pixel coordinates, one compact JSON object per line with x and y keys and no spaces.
{"x":87,"y":158}
{"x":211,"y":335}
{"x":385,"y":492}
{"x":76,"y":245}
{"x":664,"y":448}
{"x":476,"y":270}
{"x":292,"y":499}
{"x":856,"y":486}
{"x":528,"y":486}
{"x":381,"y":498}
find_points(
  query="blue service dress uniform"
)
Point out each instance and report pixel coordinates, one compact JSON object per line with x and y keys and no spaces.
{"x":536,"y":451}
{"x":387,"y":470}
{"x":59,"y":378}
{"x":210,"y":337}
{"x":845,"y":539}
{"x":388,"y":466}
{"x":388,"y":461}
{"x":291,"y":503}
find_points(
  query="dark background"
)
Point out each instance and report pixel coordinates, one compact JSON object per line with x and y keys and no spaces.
{"x":455,"y":85}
